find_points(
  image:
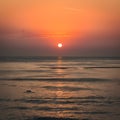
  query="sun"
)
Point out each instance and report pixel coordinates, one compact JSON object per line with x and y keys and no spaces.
{"x":60,"y":45}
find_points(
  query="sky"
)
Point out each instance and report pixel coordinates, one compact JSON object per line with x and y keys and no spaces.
{"x":35,"y":27}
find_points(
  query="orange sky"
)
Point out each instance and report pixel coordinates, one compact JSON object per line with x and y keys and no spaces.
{"x":67,"y":21}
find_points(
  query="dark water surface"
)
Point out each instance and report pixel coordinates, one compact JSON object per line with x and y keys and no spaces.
{"x":56,"y":88}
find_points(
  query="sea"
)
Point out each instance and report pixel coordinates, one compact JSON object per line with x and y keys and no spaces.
{"x":59,"y":88}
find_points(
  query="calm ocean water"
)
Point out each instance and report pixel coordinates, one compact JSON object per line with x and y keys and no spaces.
{"x":59,"y":88}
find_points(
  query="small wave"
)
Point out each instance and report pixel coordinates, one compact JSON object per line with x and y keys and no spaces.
{"x":52,"y":118}
{"x":98,"y":100}
{"x":16,"y":71}
{"x":45,"y":108}
{"x":60,"y":79}
{"x":4,"y":100}
{"x":61,"y":67}
{"x":93,"y":112}
{"x":67,"y":88}
{"x":114,"y":67}
{"x":75,"y":109}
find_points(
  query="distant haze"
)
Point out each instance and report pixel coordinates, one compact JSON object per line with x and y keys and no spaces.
{"x":84,"y":27}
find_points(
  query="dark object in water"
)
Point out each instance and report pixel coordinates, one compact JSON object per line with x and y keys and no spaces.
{"x":29,"y":91}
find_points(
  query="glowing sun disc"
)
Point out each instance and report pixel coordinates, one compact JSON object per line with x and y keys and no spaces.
{"x":60,"y":45}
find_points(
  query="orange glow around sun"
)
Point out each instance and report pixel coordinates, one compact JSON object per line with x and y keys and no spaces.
{"x":60,"y":45}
